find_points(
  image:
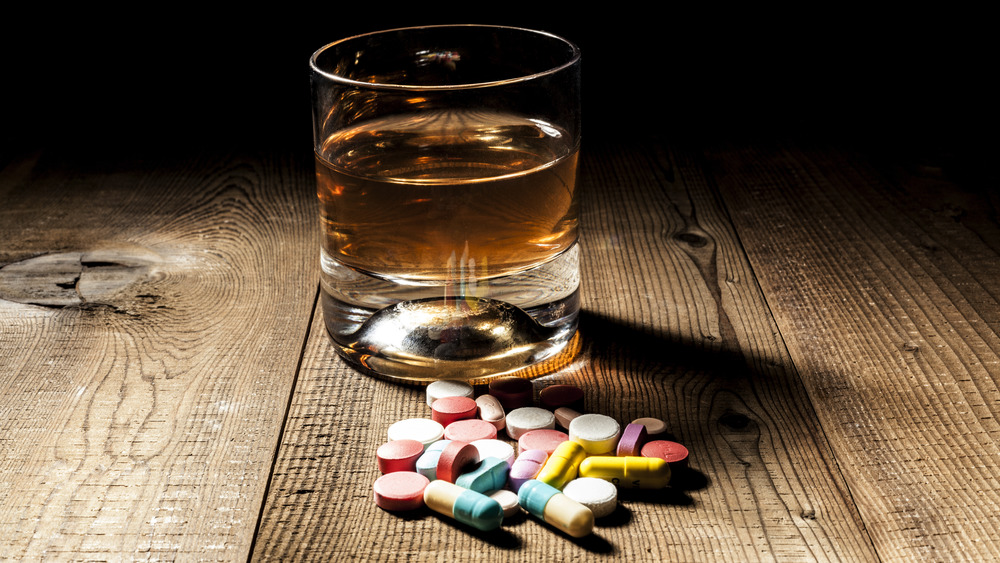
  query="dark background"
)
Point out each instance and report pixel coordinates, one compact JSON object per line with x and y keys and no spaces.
{"x":191,"y":79}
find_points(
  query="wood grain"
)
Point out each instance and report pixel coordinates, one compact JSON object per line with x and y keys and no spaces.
{"x":884,"y":282}
{"x":674,"y":326}
{"x":152,"y":314}
{"x":819,"y":328}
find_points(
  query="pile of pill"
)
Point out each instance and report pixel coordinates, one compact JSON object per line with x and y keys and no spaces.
{"x":566,"y":470}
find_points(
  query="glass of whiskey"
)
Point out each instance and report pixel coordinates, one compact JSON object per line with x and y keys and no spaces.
{"x":446,"y":168}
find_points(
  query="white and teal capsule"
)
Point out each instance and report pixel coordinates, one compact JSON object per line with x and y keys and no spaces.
{"x":549,"y":504}
{"x":465,"y":505}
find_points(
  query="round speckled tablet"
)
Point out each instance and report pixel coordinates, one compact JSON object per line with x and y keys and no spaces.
{"x":448,"y":388}
{"x":508,"y":501}
{"x":512,"y":392}
{"x":632,"y":440}
{"x":400,"y":490}
{"x":673,"y":453}
{"x":545,"y":439}
{"x":423,"y":430}
{"x":597,"y":433}
{"x":495,"y":448}
{"x":600,"y":496}
{"x":526,"y":419}
{"x":449,"y":409}
{"x":455,"y":459}
{"x":398,"y":455}
{"x":470,"y":430}
{"x":555,"y":396}
{"x":654,"y":426}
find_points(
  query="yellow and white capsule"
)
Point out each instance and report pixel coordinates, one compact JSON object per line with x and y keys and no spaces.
{"x":628,"y":472}
{"x":549,"y":504}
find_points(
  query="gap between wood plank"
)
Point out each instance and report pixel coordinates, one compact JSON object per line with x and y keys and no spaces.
{"x":284,"y":422}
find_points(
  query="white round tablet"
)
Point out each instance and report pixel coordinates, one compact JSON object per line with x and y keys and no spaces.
{"x":526,"y":419}
{"x":600,"y":496}
{"x":495,"y":448}
{"x":448,"y":388}
{"x":508,"y":501}
{"x":423,"y":430}
{"x":597,"y":433}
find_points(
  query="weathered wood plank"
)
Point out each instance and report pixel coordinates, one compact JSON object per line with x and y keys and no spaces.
{"x":674,"y":327}
{"x":885,"y":284}
{"x":152,"y":314}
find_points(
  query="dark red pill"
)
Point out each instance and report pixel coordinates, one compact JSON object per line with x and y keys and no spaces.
{"x":555,"y":396}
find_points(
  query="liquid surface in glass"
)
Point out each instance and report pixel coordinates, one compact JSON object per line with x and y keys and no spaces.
{"x":413,"y":197}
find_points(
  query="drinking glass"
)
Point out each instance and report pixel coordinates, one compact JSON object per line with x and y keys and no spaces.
{"x":446,"y":164}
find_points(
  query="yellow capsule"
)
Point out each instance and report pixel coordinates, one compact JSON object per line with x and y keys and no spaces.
{"x":629,"y":471}
{"x":562,"y":465}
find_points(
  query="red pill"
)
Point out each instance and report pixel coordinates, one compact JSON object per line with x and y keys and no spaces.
{"x":555,"y":396}
{"x":450,"y":409}
{"x":470,"y":430}
{"x":401,"y":490}
{"x":512,"y":392}
{"x":456,"y":458}
{"x":544,"y":439}
{"x":399,"y":455}
{"x":673,"y":453}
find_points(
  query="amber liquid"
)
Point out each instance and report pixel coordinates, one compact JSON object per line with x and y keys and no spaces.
{"x":447,"y":197}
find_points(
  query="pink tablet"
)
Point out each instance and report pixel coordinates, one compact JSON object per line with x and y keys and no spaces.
{"x":450,"y":409}
{"x":545,"y":439}
{"x":399,"y":455}
{"x":470,"y":430}
{"x":401,"y":490}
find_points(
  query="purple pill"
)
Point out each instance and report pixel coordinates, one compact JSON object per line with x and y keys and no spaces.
{"x":633,"y":437}
{"x":525,"y":467}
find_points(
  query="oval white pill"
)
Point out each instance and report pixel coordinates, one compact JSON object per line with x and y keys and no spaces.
{"x":448,"y":388}
{"x":526,"y":419}
{"x":423,"y":430}
{"x":597,"y":433}
{"x":508,"y":501}
{"x":495,"y":448}
{"x":490,"y":410}
{"x":600,"y":496}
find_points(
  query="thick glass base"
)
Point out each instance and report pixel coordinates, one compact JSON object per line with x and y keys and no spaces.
{"x":524,"y":324}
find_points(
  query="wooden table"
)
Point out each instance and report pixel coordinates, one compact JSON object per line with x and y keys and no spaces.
{"x":818,"y":328}
{"x":816,"y":321}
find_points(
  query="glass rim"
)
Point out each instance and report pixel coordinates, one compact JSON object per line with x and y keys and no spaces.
{"x":573,"y":59}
